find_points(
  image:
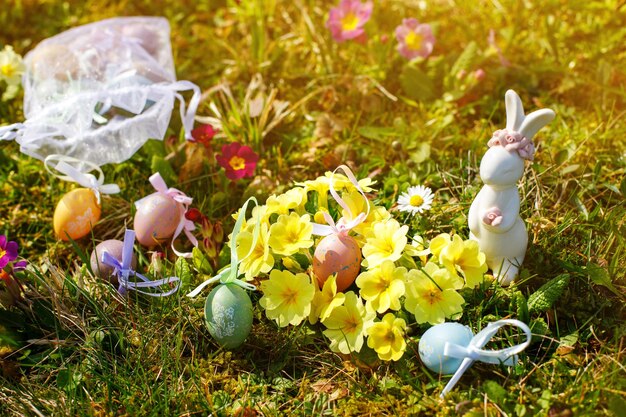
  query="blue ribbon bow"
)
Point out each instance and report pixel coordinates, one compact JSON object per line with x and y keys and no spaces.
{"x":124,"y":271}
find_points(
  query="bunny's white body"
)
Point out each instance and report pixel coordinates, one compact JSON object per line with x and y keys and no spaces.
{"x":494,"y":219}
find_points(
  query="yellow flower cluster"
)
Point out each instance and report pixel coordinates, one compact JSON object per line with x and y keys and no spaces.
{"x":397,"y":272}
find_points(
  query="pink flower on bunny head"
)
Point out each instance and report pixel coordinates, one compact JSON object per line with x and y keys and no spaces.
{"x":493,"y":216}
{"x":513,"y":141}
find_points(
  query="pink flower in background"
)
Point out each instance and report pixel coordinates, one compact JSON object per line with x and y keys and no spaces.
{"x":238,"y":160}
{"x":479,"y":74}
{"x":203,"y":134}
{"x":8,"y":253}
{"x":346,"y":20}
{"x":415,"y":39}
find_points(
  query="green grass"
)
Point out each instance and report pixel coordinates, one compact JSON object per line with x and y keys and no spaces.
{"x":73,"y":347}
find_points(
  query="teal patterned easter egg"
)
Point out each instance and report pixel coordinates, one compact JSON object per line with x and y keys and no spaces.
{"x":433,"y":341}
{"x":228,"y":314}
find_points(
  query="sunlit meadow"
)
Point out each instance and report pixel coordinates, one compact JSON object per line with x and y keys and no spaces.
{"x":406,"y":94}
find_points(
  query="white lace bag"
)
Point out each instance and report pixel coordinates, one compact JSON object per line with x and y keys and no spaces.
{"x":98,"y":92}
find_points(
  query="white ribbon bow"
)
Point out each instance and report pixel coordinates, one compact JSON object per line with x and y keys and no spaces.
{"x":474,"y":352}
{"x":84,"y":179}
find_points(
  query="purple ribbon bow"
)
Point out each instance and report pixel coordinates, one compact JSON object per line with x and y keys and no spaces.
{"x":123,"y":271}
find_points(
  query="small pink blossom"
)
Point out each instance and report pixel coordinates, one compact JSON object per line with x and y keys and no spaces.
{"x":346,"y":21}
{"x":238,"y":160}
{"x":513,"y":141}
{"x":493,"y":216}
{"x":479,"y":74}
{"x":414,"y":39}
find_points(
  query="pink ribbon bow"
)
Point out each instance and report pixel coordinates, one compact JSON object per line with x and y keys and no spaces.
{"x":184,"y":225}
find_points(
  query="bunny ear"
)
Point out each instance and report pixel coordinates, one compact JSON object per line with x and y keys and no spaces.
{"x":514,"y":110}
{"x":535,"y":121}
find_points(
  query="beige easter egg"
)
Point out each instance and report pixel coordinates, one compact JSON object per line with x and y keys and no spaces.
{"x":75,"y":214}
{"x":156,"y":219}
{"x":337,"y":254}
{"x":115,"y":248}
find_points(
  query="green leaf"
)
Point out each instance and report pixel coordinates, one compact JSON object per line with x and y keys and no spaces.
{"x":617,"y":405}
{"x":421,"y":154}
{"x":163,"y":167}
{"x":466,"y":60}
{"x":377,"y":133}
{"x":569,"y":340}
{"x":200,"y":262}
{"x":416,"y":84}
{"x":494,"y":391}
{"x":600,"y":276}
{"x":183,"y":272}
{"x":622,"y":187}
{"x":542,"y":299}
{"x":521,"y":306}
{"x":69,"y":380}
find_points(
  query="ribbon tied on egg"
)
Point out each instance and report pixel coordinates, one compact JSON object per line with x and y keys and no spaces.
{"x":161,"y":216}
{"x":452,"y":348}
{"x":338,"y":252}
{"x":80,"y":209}
{"x":228,"y":309}
{"x":123,"y":270}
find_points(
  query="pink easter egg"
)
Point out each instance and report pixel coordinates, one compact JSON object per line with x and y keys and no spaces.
{"x":114,"y":248}
{"x":156,"y":219}
{"x":338,"y":254}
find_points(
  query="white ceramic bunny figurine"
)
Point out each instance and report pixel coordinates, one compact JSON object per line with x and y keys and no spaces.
{"x":494,"y":219}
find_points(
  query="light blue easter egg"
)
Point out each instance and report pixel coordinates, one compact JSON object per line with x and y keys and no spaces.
{"x":434,"y":339}
{"x":228,"y":314}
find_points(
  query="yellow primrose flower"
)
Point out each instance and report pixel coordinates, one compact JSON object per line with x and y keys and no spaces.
{"x":260,"y":259}
{"x":321,"y":188}
{"x":325,"y":300}
{"x":258,"y":212}
{"x":11,"y":66}
{"x":357,"y":204}
{"x":386,"y":337}
{"x":287,"y":297}
{"x":382,"y":286}
{"x":291,"y":233}
{"x":293,"y":199}
{"x":430,"y":294}
{"x":460,"y":257}
{"x":321,"y":185}
{"x":340,"y":182}
{"x":347,"y":324}
{"x":385,"y":240}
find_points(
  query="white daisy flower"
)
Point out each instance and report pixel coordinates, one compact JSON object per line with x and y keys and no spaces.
{"x":417,"y":199}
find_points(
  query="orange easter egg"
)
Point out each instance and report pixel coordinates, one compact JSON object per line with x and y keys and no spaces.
{"x":337,"y":254}
{"x":156,"y":219}
{"x":75,"y":214}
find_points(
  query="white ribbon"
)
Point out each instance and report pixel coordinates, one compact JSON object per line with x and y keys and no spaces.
{"x":342,"y":226}
{"x":474,"y":352}
{"x":84,"y":179}
{"x":187,"y":117}
{"x":10,"y":132}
